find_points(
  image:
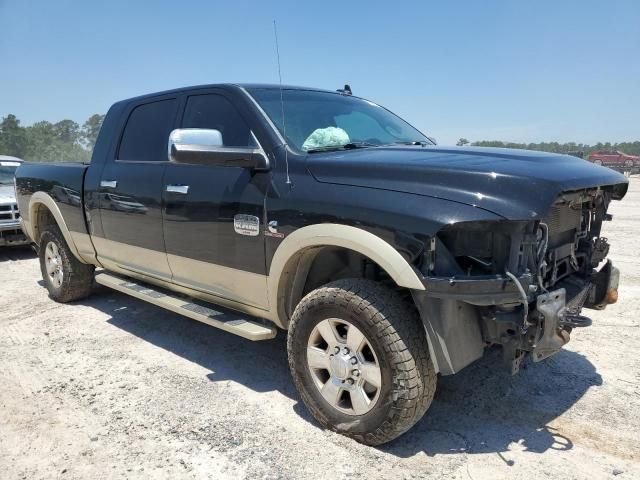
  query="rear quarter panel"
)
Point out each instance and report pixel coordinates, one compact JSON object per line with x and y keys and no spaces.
{"x":62,"y":182}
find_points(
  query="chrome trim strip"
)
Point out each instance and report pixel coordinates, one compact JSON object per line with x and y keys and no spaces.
{"x":108,"y":183}
{"x":182,"y":189}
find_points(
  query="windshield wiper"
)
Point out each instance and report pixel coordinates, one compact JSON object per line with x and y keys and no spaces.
{"x":346,"y":146}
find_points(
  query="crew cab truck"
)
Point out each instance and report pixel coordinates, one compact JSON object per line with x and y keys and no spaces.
{"x":388,"y":259}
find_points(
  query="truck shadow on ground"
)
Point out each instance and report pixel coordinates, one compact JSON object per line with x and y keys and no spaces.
{"x":482,"y":409}
{"x":16,"y":253}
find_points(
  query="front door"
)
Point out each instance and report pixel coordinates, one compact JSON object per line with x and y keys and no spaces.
{"x":130,"y":192}
{"x":213,"y":215}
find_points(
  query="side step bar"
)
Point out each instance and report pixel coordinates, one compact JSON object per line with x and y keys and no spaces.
{"x":222,"y":318}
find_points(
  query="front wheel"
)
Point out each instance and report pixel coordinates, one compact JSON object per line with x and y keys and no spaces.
{"x":360,"y":360}
{"x":65,"y":277}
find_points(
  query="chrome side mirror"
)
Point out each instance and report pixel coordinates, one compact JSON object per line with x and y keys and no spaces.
{"x":201,"y":146}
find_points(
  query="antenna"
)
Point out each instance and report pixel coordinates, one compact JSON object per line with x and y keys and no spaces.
{"x":284,"y":125}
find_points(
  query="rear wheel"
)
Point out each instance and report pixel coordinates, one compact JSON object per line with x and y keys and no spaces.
{"x":65,"y":277}
{"x":360,"y":360}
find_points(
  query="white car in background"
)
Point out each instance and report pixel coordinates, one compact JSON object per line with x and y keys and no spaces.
{"x":10,"y":231}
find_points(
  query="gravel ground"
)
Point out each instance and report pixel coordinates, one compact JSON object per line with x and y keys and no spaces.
{"x":111,"y":387}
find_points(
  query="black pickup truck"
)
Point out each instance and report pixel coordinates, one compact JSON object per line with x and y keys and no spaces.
{"x":387,"y":259}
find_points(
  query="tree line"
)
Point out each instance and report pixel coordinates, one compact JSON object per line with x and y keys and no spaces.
{"x":68,"y":141}
{"x":631,"y":148}
{"x":63,"y":141}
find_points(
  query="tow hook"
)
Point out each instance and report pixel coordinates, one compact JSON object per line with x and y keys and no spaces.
{"x":573,"y":320}
{"x":550,"y":307}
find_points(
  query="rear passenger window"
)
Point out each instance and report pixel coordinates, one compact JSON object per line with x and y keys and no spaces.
{"x":216,"y":112}
{"x":146,"y":134}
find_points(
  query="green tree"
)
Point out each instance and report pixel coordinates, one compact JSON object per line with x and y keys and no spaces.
{"x":462,"y":142}
{"x":90,"y":130}
{"x":67,"y":131}
{"x":13,"y":140}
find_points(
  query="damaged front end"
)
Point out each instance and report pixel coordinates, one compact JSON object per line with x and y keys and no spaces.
{"x":518,"y":284}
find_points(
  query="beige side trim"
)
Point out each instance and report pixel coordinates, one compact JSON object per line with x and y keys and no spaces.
{"x":147,"y":261}
{"x":345,"y":236}
{"x":235,"y":285}
{"x":84,"y":246}
{"x":231,"y":283}
{"x":174,"y":287}
{"x":32,"y":227}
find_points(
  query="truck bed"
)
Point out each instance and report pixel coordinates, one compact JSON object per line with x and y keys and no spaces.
{"x":63,"y":182}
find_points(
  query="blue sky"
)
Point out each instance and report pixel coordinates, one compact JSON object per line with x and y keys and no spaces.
{"x":540,"y":70}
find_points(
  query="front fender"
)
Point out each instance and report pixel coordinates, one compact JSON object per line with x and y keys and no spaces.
{"x":345,"y":236}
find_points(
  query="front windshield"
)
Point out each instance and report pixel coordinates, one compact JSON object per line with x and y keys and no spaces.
{"x":6,"y":173}
{"x":317,"y":121}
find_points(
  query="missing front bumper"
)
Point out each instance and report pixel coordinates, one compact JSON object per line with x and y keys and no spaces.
{"x":550,"y":308}
{"x":462,"y":316}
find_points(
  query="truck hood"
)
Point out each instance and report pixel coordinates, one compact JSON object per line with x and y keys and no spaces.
{"x":515,"y":184}
{"x":7,"y":194}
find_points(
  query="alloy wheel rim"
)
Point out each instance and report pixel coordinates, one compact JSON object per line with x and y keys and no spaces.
{"x":344,"y":366}
{"x":53,"y":263}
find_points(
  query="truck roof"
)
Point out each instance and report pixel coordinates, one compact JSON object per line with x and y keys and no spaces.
{"x":225,"y":85}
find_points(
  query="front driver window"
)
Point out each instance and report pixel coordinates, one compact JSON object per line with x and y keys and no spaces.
{"x":216,"y":112}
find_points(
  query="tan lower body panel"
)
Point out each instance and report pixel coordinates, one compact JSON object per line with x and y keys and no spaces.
{"x":84,"y":246}
{"x":130,"y":257}
{"x":231,"y":283}
{"x":231,"y":322}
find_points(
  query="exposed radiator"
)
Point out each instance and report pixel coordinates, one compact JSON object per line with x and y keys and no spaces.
{"x":563,"y":218}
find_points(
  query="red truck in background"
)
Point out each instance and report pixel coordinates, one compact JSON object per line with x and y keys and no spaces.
{"x":615,"y":159}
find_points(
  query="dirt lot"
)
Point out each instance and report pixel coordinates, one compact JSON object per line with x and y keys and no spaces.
{"x":114,"y":388}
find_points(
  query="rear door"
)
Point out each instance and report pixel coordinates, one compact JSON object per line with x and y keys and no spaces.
{"x":130,"y":191}
{"x":206,"y":250}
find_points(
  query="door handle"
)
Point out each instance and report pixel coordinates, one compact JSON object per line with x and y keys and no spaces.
{"x":182,"y":189}
{"x":108,"y":183}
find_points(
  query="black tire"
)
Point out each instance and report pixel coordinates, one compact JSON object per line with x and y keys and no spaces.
{"x":396,"y":335}
{"x":77,"y":277}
